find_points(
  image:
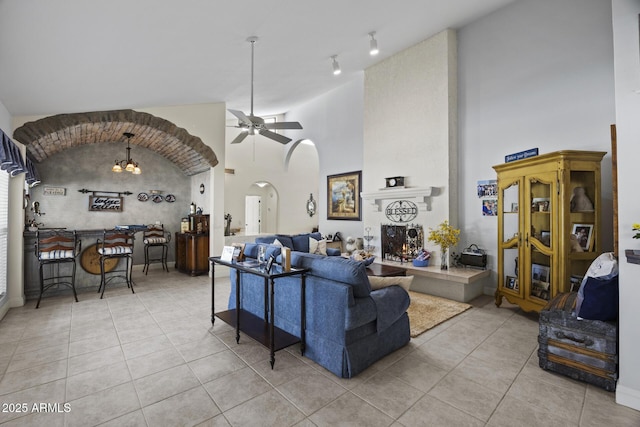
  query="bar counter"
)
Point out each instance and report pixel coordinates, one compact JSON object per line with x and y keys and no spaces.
{"x":87,"y":262}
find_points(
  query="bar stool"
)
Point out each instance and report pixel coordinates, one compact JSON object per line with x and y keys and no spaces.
{"x":54,"y":248}
{"x":155,"y":237}
{"x":116,"y":244}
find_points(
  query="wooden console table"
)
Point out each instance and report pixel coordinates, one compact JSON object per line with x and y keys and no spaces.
{"x":262,"y":330}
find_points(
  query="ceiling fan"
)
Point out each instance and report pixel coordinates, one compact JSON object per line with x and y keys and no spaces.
{"x":250,"y":125}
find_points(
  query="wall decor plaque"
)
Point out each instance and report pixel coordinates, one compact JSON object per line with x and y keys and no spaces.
{"x":54,"y":191}
{"x":401,"y":211}
{"x":105,"y":204}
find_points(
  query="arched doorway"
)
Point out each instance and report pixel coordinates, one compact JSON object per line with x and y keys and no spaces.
{"x":261,"y":209}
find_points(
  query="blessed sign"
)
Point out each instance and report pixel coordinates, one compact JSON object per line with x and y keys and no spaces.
{"x":105,"y":204}
{"x":401,"y":211}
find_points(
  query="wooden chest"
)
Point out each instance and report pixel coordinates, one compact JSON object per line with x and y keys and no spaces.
{"x":584,"y":350}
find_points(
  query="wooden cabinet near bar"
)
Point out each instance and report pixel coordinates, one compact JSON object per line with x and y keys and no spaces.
{"x":192,"y":253}
{"x":192,"y":247}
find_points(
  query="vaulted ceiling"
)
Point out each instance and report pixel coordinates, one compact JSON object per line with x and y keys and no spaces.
{"x":48,"y":136}
{"x":69,"y":56}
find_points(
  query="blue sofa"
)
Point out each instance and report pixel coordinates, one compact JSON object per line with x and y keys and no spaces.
{"x":298,"y":242}
{"x":349,"y":326}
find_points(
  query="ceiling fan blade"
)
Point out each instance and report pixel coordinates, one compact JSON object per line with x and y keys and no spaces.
{"x":240,"y":137}
{"x":283,"y":125}
{"x":276,"y":137}
{"x":241,"y":116}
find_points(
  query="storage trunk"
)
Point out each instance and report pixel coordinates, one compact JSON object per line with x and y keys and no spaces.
{"x":584,"y":350}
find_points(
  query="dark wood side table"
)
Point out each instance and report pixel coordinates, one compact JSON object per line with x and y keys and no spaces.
{"x":192,"y":253}
{"x":385,"y":270}
{"x":262,"y":330}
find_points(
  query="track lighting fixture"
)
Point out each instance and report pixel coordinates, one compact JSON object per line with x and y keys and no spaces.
{"x":336,"y":66}
{"x":373,"y":44}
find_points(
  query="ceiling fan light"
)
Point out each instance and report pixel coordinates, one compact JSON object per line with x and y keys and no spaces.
{"x":373,"y":44}
{"x":336,"y":66}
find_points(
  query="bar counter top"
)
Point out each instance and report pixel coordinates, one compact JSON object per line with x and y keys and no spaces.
{"x":95,"y":232}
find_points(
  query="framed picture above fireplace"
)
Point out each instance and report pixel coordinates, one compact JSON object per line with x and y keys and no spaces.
{"x":343,"y":196}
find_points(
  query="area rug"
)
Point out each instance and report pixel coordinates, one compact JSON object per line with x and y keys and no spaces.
{"x":427,"y":311}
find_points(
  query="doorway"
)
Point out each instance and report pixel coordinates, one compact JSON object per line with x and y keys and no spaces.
{"x":252,"y":214}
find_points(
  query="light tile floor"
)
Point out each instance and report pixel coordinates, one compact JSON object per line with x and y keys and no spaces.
{"x":153,"y":359}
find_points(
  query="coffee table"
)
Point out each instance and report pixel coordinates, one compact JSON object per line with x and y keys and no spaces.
{"x":382,"y":270}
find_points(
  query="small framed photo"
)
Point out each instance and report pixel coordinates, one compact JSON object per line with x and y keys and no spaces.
{"x":545,"y":237}
{"x":227,"y":253}
{"x":540,"y":273}
{"x":269,"y":264}
{"x":511,"y":282}
{"x":540,"y":204}
{"x":584,"y":233}
{"x":489,"y":207}
{"x":514,"y":207}
{"x":238,"y":251}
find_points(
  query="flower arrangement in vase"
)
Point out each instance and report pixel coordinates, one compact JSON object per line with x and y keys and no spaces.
{"x":636,"y":227}
{"x":444,"y":236}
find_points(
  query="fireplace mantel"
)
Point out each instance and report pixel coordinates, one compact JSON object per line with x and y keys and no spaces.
{"x":416,"y":194}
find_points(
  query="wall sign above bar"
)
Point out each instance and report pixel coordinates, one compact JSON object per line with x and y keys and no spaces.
{"x":105,"y":204}
{"x":100,"y":203}
{"x":521,"y":155}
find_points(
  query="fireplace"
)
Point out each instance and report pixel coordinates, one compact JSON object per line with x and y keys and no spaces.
{"x":401,"y":242}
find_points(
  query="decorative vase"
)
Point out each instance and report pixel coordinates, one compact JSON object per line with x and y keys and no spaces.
{"x":444,"y":265}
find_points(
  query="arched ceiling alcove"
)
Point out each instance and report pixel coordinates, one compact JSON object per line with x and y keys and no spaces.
{"x":50,"y":135}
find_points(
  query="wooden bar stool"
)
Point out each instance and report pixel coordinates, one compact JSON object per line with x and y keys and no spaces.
{"x":155,"y":237}
{"x":116,"y":244}
{"x":55,"y":248}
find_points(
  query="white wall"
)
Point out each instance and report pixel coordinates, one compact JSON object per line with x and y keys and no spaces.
{"x":333,"y":122}
{"x":532,"y":74}
{"x":261,"y":159}
{"x":627,"y":91}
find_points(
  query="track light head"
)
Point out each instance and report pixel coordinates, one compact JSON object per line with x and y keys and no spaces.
{"x":373,"y":44}
{"x":336,"y":66}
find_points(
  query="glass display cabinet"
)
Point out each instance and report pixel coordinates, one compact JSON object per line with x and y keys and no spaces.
{"x":549,"y":228}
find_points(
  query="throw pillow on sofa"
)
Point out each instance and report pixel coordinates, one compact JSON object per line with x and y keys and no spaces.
{"x":318,"y":247}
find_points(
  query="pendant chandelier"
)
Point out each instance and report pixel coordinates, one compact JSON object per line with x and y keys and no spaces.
{"x":128,"y":164}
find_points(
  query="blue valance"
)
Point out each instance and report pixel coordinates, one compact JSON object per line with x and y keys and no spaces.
{"x":11,"y":161}
{"x":33,"y":177}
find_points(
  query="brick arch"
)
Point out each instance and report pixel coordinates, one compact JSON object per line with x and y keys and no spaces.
{"x":50,"y":135}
